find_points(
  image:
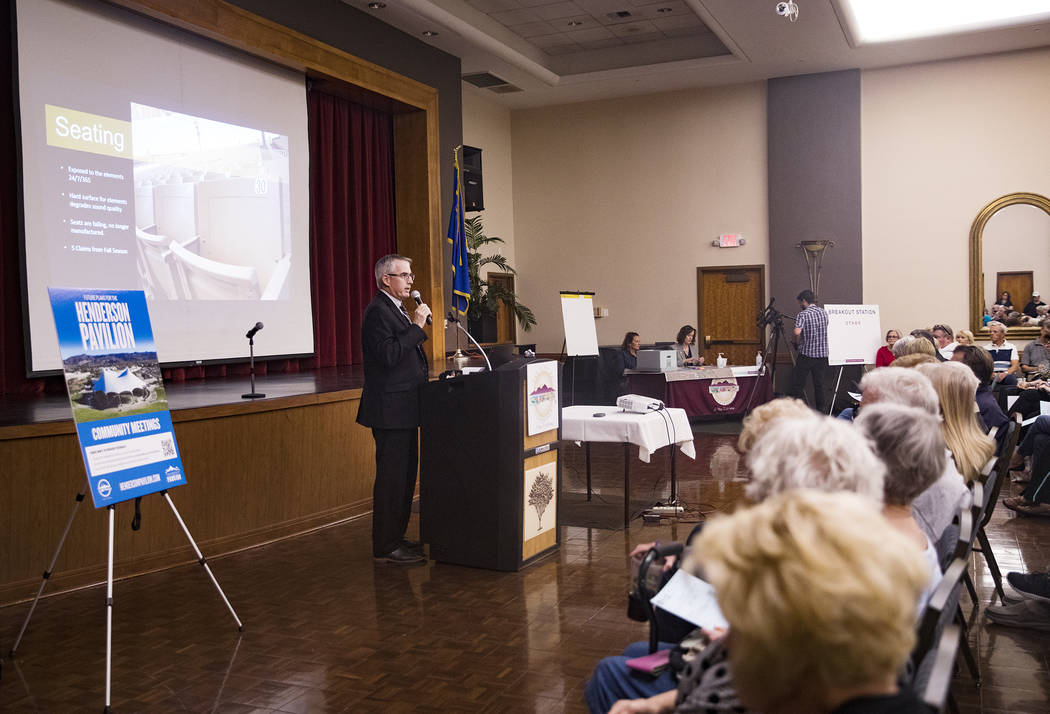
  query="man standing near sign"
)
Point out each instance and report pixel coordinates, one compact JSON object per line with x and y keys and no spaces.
{"x":811,"y":331}
{"x":395,"y":369}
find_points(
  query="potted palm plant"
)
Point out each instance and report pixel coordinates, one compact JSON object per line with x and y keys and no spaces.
{"x":486,"y":298}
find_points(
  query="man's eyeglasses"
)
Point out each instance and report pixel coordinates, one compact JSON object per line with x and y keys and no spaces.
{"x":403,"y":276}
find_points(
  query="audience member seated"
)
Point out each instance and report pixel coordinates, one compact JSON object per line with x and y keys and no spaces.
{"x":1035,"y":499}
{"x":980,"y":363}
{"x":1030,"y":608}
{"x":763,"y":416}
{"x":909,"y":442}
{"x":965,"y":337}
{"x":945,"y":339}
{"x":1014,"y":319}
{"x":1004,"y":355}
{"x":685,"y":347}
{"x":1030,"y":308}
{"x":910,"y":344}
{"x":928,"y":336}
{"x":884,"y":356}
{"x":820,"y":594}
{"x":935,"y":507}
{"x":810,"y":451}
{"x":1035,"y":359}
{"x":913,"y":360}
{"x":956,"y":387}
{"x":1005,"y":300}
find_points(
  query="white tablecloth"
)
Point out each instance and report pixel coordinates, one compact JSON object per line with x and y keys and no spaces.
{"x":649,"y":431}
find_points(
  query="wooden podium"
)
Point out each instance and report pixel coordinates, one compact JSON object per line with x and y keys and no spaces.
{"x":488,"y":491}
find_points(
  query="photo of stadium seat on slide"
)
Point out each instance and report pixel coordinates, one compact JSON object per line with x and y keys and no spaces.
{"x":211,"y":208}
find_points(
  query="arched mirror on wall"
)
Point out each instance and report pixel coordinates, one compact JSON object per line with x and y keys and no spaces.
{"x":1010,"y":252}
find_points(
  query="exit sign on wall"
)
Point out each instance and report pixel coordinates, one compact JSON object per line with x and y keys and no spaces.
{"x":730,"y":240}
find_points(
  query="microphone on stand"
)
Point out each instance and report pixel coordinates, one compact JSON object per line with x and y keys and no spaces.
{"x":419,"y":301}
{"x":251,"y":363}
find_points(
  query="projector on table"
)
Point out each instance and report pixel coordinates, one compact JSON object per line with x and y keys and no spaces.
{"x":638,"y":404}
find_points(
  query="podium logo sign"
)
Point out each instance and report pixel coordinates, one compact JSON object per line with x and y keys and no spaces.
{"x":116,"y":393}
{"x":541,"y":390}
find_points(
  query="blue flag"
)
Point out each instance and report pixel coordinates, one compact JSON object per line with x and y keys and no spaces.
{"x":457,"y":237}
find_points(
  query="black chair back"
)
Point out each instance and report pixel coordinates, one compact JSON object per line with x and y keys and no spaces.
{"x":935,"y":694}
{"x":939,"y":612}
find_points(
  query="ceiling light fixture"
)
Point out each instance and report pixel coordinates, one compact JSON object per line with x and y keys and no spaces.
{"x":665,"y":9}
{"x":376,"y":5}
{"x":574,"y":23}
{"x":872,"y":21}
{"x":429,"y":33}
{"x":788,"y":9}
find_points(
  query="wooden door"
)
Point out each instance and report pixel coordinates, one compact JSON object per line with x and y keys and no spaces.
{"x":1018,"y":283}
{"x":728,"y":302}
{"x":506,"y":324}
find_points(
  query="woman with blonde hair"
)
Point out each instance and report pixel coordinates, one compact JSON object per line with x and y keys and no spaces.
{"x":910,"y":344}
{"x":762,"y":417}
{"x":819,"y":591}
{"x":956,"y":387}
{"x":965,"y":337}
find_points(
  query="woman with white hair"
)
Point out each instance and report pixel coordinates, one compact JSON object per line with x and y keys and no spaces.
{"x":819,"y":453}
{"x":909,"y":442}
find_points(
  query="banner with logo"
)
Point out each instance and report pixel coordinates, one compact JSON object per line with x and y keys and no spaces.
{"x":116,"y":393}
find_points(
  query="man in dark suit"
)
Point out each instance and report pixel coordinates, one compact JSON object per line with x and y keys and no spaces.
{"x":395,"y":369}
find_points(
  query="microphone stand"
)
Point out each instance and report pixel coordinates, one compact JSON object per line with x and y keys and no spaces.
{"x":251,"y":371}
{"x":455,"y":320}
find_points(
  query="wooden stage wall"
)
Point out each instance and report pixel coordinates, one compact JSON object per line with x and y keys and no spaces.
{"x":256,"y":472}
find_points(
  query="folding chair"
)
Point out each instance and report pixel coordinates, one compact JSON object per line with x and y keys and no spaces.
{"x":936,"y":695}
{"x":992,"y":486}
{"x":941,"y":609}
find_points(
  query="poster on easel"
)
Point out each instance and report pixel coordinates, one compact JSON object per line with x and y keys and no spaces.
{"x":116,"y":392}
{"x":577,"y":314}
{"x":854,"y":334}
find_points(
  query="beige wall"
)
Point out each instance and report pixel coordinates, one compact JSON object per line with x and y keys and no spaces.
{"x":486,"y":126}
{"x":623,"y":197}
{"x":940,"y":141}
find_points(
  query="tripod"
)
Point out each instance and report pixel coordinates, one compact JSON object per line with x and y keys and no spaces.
{"x":109,"y":580}
{"x":774,"y":319}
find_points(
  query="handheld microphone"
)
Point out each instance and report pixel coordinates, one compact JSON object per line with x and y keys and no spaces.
{"x":419,"y":301}
{"x":251,"y":333}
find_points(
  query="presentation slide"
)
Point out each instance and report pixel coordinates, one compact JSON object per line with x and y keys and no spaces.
{"x":158,"y":161}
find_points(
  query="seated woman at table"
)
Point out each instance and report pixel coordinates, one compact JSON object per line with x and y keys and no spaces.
{"x":685,"y":347}
{"x":623,"y":359}
{"x":629,"y":350}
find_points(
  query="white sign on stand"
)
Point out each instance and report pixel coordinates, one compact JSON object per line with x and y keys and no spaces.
{"x":577,"y":313}
{"x":854,"y":334}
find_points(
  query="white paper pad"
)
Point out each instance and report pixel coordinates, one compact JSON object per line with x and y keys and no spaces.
{"x":691,"y":599}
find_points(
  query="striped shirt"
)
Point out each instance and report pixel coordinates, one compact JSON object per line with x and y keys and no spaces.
{"x":813,"y":321}
{"x":1002,"y":355}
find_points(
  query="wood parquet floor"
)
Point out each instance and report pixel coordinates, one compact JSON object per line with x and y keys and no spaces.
{"x":329,"y":630}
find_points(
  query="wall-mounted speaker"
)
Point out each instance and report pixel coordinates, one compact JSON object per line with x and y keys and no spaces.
{"x":473,"y":195}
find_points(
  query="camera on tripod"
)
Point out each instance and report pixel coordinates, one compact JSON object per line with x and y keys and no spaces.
{"x":769,"y":315}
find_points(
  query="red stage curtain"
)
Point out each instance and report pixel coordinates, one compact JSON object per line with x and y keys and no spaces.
{"x":352,"y":224}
